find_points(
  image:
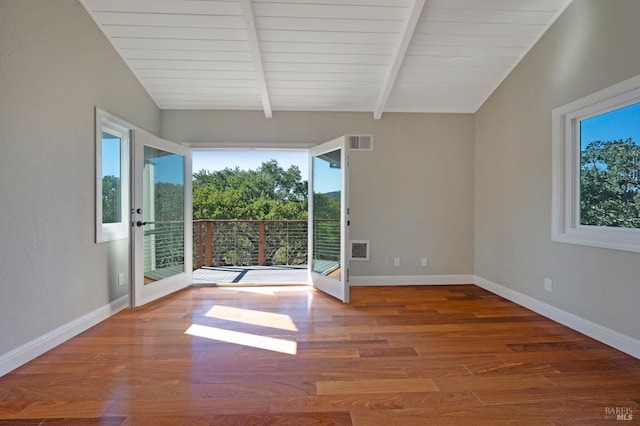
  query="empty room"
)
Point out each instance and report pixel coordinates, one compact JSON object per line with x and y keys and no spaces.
{"x":470,"y":223}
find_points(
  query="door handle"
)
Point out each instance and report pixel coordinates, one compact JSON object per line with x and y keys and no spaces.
{"x":140,"y":223}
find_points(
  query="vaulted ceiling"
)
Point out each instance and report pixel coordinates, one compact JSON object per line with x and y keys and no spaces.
{"x":323,"y":55}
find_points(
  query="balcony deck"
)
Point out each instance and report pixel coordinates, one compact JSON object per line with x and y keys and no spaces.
{"x":250,"y":275}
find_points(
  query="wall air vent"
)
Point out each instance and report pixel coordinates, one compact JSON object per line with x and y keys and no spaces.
{"x":360,"y":142}
{"x":359,"y":250}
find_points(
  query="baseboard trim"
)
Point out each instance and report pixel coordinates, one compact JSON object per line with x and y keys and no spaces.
{"x":617,"y":340}
{"x":36,"y":347}
{"x":411,"y":280}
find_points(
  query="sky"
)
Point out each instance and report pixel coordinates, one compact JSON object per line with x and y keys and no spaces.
{"x":209,"y":160}
{"x":326,"y":179}
{"x":169,"y":168}
{"x":249,"y":160}
{"x":618,"y":124}
{"x":110,"y":156}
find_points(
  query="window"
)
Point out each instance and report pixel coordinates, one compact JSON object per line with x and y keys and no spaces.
{"x":596,"y":169}
{"x":112,"y":177}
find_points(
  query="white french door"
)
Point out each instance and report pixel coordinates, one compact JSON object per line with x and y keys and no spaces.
{"x":161,"y":235}
{"x":329,"y":218}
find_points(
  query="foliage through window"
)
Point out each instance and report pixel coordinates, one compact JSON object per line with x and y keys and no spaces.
{"x":235,"y":203}
{"x":112,"y":177}
{"x":270,"y":192}
{"x":609,"y":168}
{"x":596,"y":165}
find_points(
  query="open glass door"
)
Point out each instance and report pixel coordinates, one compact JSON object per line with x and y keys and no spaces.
{"x":328,"y":218}
{"x":160,"y":218}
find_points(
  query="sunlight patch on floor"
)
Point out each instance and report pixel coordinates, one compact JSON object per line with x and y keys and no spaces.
{"x":244,"y":339}
{"x":273,"y":290}
{"x":249,"y":316}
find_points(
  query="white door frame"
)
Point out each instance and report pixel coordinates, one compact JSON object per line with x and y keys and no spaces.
{"x":139,"y":293}
{"x":336,"y":288}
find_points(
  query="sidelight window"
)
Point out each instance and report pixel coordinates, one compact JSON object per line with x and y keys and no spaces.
{"x":112,"y":177}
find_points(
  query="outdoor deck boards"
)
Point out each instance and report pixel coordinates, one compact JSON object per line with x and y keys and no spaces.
{"x":242,"y":275}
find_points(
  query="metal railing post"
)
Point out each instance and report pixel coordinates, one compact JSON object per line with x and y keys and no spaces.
{"x":261,"y":243}
{"x":209,"y":244}
{"x":198,"y":243}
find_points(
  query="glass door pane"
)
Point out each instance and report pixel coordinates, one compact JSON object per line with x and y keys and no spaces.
{"x":163,"y":214}
{"x":328,"y":218}
{"x":160,"y":217}
{"x":327,"y":191}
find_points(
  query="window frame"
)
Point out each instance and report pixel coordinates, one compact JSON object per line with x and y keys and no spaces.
{"x":109,"y":123}
{"x":566,"y":226}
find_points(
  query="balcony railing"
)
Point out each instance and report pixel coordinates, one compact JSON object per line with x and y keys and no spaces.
{"x":249,"y":242}
{"x":239,"y":243}
{"x":163,"y":245}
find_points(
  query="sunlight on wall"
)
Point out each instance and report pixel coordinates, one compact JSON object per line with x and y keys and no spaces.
{"x":245,"y":339}
{"x":248,"y":316}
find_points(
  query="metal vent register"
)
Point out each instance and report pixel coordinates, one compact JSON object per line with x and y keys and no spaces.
{"x":360,"y":250}
{"x":360,"y":142}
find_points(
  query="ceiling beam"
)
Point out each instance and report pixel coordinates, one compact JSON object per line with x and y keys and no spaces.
{"x":405,"y":38}
{"x":254,"y":47}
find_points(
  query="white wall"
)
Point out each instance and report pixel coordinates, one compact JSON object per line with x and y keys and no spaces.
{"x":593,"y":45}
{"x":55,"y":66}
{"x":411,"y":197}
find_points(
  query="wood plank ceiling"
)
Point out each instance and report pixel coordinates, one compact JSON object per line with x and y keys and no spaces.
{"x":323,"y":55}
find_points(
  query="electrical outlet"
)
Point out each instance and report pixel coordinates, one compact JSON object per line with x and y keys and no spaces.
{"x":548,"y":284}
{"x":121,"y":279}
{"x":396,"y":261}
{"x":423,"y":262}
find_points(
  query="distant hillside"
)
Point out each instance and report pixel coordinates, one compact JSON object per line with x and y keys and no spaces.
{"x":334,"y":194}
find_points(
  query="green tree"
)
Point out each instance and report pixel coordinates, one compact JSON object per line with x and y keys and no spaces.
{"x":169,"y":201}
{"x":610,"y":184}
{"x":267,"y":193}
{"x":168,"y":229}
{"x":326,"y":206}
{"x":270,"y":192}
{"x":111,"y":202}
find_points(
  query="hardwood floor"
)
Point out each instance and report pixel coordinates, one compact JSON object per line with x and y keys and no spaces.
{"x":442,"y":355}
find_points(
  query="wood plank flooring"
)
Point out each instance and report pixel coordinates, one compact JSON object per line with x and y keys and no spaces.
{"x":441,"y":355}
